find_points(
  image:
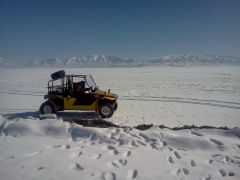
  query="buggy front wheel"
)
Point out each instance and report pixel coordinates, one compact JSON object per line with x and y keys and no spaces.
{"x":106,"y":111}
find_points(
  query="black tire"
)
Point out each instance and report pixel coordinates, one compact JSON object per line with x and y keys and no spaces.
{"x":58,"y":75}
{"x":106,"y":111}
{"x":48,"y":108}
{"x":115,"y":106}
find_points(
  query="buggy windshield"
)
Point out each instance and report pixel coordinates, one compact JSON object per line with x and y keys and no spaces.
{"x":90,"y":82}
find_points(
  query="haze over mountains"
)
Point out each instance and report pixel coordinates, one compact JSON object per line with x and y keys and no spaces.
{"x":115,"y":61}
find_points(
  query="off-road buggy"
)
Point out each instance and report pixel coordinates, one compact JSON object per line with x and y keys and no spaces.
{"x":63,"y":94}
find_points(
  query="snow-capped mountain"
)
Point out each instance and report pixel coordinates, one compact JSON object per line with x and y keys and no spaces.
{"x":71,"y":61}
{"x":115,"y":61}
{"x":97,"y":60}
{"x":4,"y":62}
{"x":188,"y":60}
{"x":52,"y":62}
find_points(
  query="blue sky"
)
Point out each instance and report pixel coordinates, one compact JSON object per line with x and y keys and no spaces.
{"x":128,"y":28}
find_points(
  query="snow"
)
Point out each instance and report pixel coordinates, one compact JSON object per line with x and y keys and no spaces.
{"x":53,"y":149}
{"x":173,"y":96}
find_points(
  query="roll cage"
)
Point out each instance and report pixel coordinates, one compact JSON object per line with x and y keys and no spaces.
{"x":66,"y":84}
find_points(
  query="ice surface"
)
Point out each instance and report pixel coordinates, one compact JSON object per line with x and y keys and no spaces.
{"x":54,"y":149}
{"x":173,"y":96}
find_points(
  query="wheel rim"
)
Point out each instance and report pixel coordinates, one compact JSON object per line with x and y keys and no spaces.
{"x":47,"y":109}
{"x":105,"y":111}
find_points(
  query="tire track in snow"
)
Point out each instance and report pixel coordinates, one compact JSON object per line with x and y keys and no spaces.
{"x":225,"y":104}
{"x":21,"y":93}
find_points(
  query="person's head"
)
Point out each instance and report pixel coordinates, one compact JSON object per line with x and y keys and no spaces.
{"x":81,"y":83}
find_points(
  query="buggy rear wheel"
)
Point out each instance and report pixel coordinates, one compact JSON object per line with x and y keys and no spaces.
{"x":47,"y":108}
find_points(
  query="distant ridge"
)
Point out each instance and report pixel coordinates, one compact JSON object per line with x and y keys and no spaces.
{"x":100,"y":60}
{"x":97,"y":61}
{"x":85,"y":61}
{"x":189,"y":60}
{"x":52,"y":62}
{"x":114,"y":61}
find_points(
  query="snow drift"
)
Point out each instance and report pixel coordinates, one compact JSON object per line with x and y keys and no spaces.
{"x":115,"y":153}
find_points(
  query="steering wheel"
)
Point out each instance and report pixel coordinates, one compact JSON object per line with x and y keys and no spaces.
{"x":90,"y":89}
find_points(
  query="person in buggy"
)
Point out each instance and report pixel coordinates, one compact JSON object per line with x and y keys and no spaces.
{"x":81,"y":95}
{"x":81,"y":88}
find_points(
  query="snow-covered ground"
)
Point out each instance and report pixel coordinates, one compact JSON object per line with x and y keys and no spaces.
{"x":174,"y":96}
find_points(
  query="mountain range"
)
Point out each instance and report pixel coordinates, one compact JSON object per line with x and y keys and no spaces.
{"x":189,"y":60}
{"x":115,"y":61}
{"x":85,"y":61}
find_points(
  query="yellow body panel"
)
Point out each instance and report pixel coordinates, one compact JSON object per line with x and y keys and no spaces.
{"x":69,"y":101}
{"x":69,"y":105}
{"x":106,"y":95}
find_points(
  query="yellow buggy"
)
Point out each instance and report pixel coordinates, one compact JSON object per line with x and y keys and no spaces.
{"x":63,"y":94}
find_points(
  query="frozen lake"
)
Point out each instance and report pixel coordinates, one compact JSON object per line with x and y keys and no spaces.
{"x":173,"y":96}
